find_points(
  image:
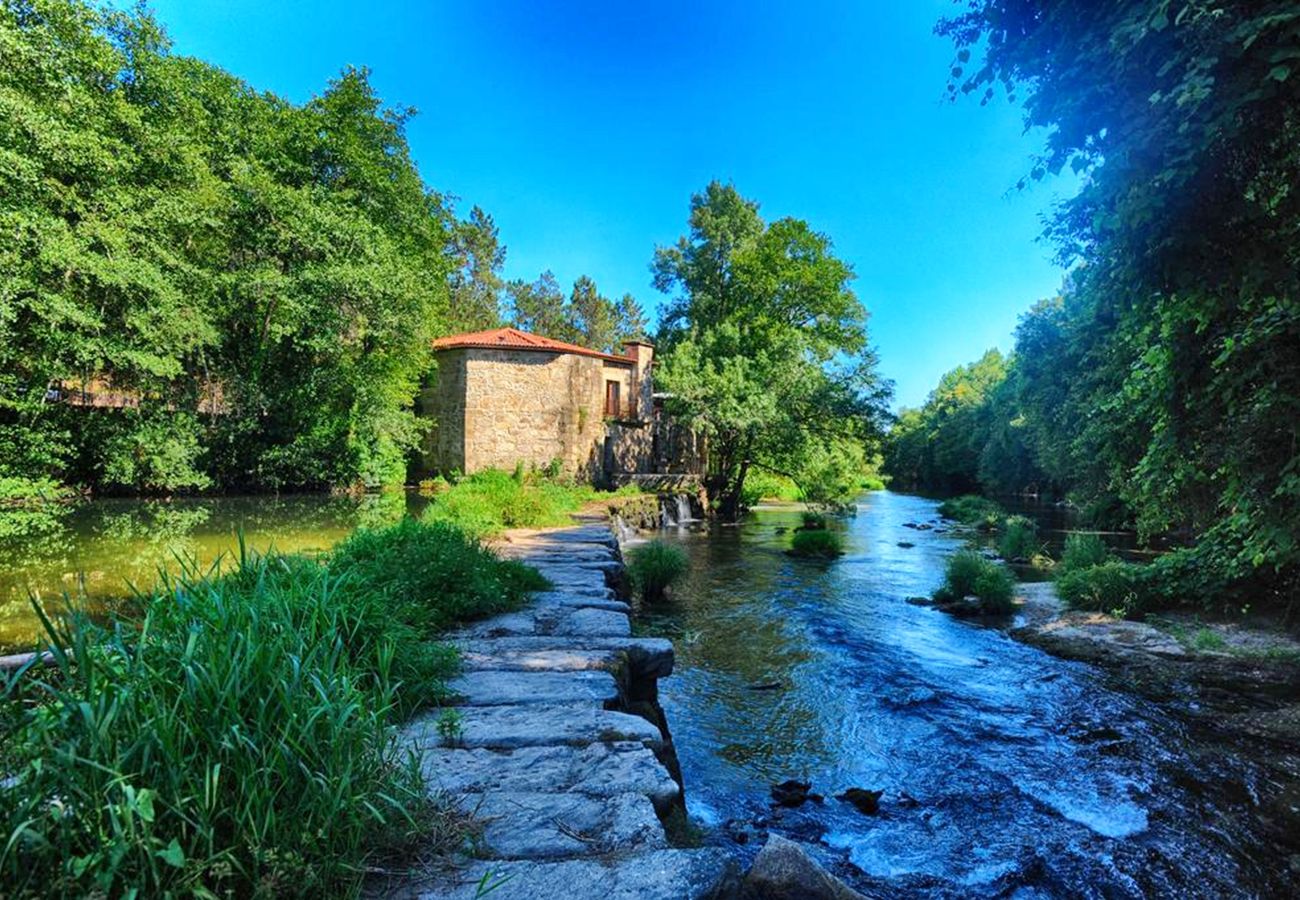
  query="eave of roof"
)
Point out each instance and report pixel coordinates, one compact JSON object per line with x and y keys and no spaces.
{"x":515,"y":339}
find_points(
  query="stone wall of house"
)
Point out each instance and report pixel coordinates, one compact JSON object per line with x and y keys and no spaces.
{"x":442,"y":401}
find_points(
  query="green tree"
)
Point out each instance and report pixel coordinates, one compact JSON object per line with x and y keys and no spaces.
{"x":1174,"y":389}
{"x":476,"y":282}
{"x":766,"y":345}
{"x":539,"y":307}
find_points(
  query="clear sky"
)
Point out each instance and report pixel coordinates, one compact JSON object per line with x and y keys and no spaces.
{"x":583,"y":128}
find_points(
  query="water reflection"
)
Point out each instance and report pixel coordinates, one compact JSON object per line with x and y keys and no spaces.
{"x":1003,"y":768}
{"x":96,"y":551}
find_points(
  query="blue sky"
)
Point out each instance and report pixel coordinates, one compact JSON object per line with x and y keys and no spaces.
{"x":583,"y":128}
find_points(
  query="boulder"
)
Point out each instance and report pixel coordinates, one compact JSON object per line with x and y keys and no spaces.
{"x":866,"y":801}
{"x":783,"y":870}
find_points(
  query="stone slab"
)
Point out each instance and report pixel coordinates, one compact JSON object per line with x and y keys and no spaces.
{"x":656,"y":875}
{"x":550,"y":660}
{"x":564,"y":598}
{"x":534,"y":725}
{"x":599,"y":770}
{"x":551,"y":620}
{"x":651,"y":657}
{"x":526,"y":825}
{"x":500,"y":688}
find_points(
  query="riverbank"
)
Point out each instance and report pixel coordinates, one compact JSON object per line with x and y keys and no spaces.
{"x":1235,"y":684}
{"x":557,"y":747}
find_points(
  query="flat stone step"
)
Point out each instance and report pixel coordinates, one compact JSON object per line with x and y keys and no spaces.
{"x":564,"y":598}
{"x":533,"y":725}
{"x":654,"y":875}
{"x":650,"y":657}
{"x":554,"y":826}
{"x":543,"y":660}
{"x":551,"y":620}
{"x":582,"y":534}
{"x":598,"y":770}
{"x":566,"y":576}
{"x":501,"y":688}
{"x":557,"y":554}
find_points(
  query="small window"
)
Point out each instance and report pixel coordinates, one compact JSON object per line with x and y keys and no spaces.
{"x":611,"y":398}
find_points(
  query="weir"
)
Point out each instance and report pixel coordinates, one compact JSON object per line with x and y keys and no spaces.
{"x":557,"y":745}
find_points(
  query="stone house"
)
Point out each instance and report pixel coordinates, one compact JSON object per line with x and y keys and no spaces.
{"x":504,"y":397}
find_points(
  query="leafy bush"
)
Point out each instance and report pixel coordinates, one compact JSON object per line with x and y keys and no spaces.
{"x":763,"y":485}
{"x":971,"y":509}
{"x":1112,"y":587}
{"x":414,"y":579}
{"x":1019,"y":538}
{"x":820,"y":543}
{"x":969,"y":574}
{"x":236,"y":742}
{"x":491,"y":500}
{"x":1081,"y":552}
{"x":812,"y":521}
{"x":655,"y":567}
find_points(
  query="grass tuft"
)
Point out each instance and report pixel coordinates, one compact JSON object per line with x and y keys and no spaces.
{"x":655,"y":567}
{"x":817,"y":543}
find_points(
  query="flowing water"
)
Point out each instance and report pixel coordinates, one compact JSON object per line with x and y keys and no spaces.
{"x":1005,"y":771}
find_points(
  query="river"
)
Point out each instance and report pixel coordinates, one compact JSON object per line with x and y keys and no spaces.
{"x":1005,"y":771}
{"x":92,"y":553}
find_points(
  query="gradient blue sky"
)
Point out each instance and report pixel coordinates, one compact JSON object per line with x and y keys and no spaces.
{"x":583,"y":128}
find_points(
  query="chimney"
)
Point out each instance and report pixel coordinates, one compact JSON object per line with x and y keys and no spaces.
{"x":642,"y":354}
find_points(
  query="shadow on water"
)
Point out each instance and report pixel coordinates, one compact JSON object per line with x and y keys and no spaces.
{"x":1004,"y":770}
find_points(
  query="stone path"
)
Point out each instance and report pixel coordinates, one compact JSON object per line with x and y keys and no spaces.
{"x":568,"y":786}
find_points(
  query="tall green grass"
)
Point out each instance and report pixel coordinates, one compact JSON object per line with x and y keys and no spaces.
{"x":655,"y":567}
{"x":491,"y":501}
{"x":969,"y":574}
{"x":236,"y":739}
{"x":817,"y":543}
{"x":1019,"y":538}
{"x":971,"y":509}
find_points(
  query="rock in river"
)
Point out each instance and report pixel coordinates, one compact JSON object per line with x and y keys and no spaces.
{"x":794,"y":793}
{"x":866,"y":801}
{"x":783,"y":869}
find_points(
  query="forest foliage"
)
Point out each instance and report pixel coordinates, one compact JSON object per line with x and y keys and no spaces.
{"x":1161,"y":389}
{"x":261,"y":279}
{"x":763,"y":349}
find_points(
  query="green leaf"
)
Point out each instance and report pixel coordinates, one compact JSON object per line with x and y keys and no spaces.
{"x":174,"y":856}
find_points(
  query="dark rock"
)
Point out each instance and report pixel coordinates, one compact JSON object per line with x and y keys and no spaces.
{"x":866,"y":801}
{"x":906,"y":545}
{"x":924,"y":526}
{"x":783,"y":870}
{"x":907,"y":801}
{"x":791,"y":793}
{"x":920,"y":601}
{"x":765,"y":686}
{"x":910,"y":525}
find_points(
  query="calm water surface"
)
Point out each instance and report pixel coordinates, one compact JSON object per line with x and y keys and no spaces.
{"x":1006,"y":772}
{"x":94,"y":552}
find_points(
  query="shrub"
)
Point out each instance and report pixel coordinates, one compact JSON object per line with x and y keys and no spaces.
{"x":1113,"y":587}
{"x":236,"y":743}
{"x":764,"y":485}
{"x":491,"y":500}
{"x":655,"y":567}
{"x":1019,"y":538}
{"x":969,"y":574}
{"x":970,"y":509}
{"x":1081,"y":552}
{"x":818,"y":543}
{"x":812,"y":521}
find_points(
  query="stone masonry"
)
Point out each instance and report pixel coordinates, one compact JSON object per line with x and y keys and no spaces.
{"x":498,"y":406}
{"x":569,"y":786}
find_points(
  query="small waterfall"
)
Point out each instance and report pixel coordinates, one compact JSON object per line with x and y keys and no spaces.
{"x":667,"y":511}
{"x":684,"y":510}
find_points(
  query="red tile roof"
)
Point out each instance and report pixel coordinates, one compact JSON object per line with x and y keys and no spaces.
{"x":514,"y":339}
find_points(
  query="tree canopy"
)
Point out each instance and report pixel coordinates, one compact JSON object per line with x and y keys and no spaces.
{"x":1163,"y":387}
{"x":763,"y":346}
{"x":262,"y":279}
